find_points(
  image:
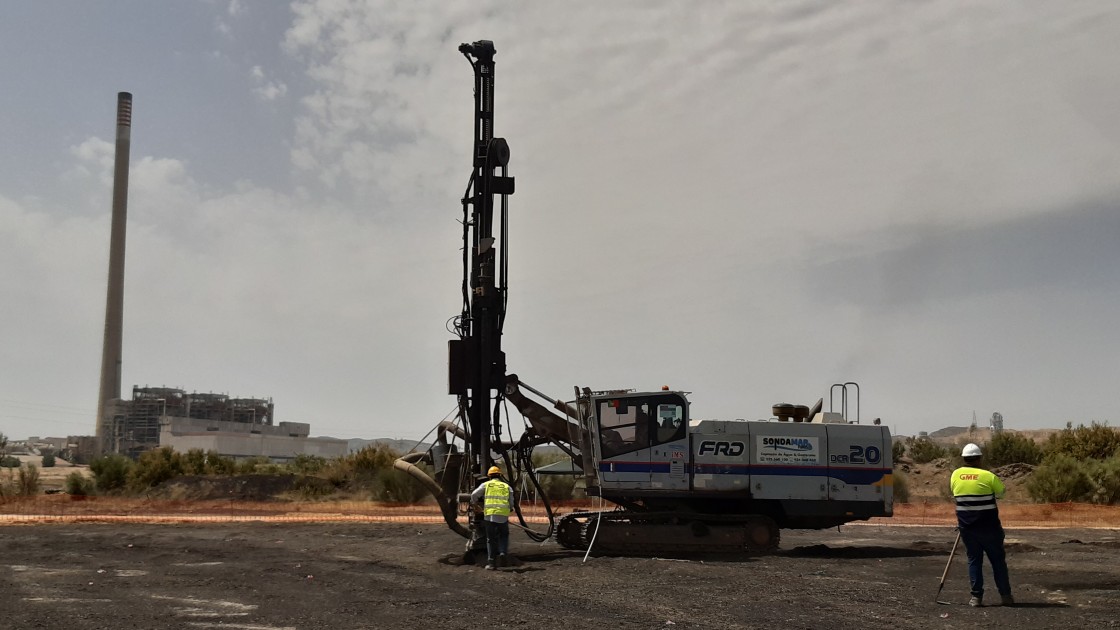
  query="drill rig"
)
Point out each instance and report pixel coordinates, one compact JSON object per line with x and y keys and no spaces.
{"x":679,"y":484}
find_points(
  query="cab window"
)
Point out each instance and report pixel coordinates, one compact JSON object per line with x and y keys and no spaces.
{"x":623,"y":425}
{"x":632,"y":424}
{"x":670,"y":422}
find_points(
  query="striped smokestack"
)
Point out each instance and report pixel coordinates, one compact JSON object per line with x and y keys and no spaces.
{"x":110,"y":390}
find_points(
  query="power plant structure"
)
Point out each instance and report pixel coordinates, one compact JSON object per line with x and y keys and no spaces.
{"x":234,"y":427}
{"x":164,"y":416}
{"x":137,"y":424}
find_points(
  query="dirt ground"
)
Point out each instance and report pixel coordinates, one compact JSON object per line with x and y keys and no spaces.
{"x":258,"y":576}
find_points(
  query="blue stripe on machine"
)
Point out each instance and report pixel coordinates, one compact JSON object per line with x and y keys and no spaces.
{"x":634,"y":467}
{"x":849,"y":475}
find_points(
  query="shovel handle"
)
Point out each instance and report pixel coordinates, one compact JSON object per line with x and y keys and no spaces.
{"x":950,"y":561}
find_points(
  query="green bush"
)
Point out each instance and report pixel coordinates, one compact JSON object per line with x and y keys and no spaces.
{"x":155,"y":467}
{"x":198,"y":462}
{"x":395,"y":486}
{"x":193,"y":462}
{"x":371,"y":471}
{"x":250,"y":466}
{"x":1011,"y":448}
{"x":901,"y":487}
{"x":48,"y":459}
{"x":28,"y":480}
{"x":8,"y":461}
{"x":310,"y":488}
{"x":924,"y":450}
{"x":1096,"y":441}
{"x":307,"y":464}
{"x":898,"y":449}
{"x":1058,"y":479}
{"x":1105,"y":478}
{"x":219,"y":465}
{"x":78,"y":484}
{"x":111,"y":472}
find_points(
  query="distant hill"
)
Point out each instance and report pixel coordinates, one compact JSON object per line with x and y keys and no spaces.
{"x":400,"y":446}
{"x":956,"y":435}
{"x":952,"y":432}
{"x":404,"y":446}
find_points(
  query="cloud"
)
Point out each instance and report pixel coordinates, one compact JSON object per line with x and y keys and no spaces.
{"x":747,"y":200}
{"x":265,"y":89}
{"x":911,"y":266}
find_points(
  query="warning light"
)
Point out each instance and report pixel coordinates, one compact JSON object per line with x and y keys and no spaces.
{"x":664,"y":388}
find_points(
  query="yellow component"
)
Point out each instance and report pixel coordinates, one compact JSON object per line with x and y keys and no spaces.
{"x":494,"y":470}
{"x":887,"y":481}
{"x":497,"y":497}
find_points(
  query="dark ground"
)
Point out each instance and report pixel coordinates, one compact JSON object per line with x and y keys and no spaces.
{"x":306,"y":577}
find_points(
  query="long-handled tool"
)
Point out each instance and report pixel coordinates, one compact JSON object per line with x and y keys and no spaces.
{"x":946,"y":571}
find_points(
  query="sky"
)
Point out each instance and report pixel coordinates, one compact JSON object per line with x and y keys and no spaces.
{"x":746,"y":201}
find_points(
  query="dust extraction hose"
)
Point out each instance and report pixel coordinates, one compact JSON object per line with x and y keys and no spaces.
{"x":405,"y":464}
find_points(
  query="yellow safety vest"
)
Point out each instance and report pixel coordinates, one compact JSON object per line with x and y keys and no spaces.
{"x":496,"y":502}
{"x":975,"y":491}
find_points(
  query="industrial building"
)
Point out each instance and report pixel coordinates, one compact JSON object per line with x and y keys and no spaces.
{"x":233,"y":427}
{"x":240,"y":440}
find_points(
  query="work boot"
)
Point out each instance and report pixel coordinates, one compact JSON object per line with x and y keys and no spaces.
{"x":1006,"y":600}
{"x":502,"y":561}
{"x":975,"y":602}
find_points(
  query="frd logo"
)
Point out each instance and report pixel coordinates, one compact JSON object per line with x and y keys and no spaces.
{"x":731,"y":449}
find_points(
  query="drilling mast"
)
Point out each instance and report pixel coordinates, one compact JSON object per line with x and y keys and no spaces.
{"x":477,"y":364}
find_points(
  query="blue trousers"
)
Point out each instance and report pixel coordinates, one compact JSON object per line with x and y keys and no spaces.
{"x":978,"y":542}
{"x":497,"y":540}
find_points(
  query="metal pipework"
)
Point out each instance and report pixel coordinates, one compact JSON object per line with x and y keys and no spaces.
{"x":111,"y":349}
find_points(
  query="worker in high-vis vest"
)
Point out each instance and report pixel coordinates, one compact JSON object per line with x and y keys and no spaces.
{"x":496,"y":498}
{"x":975,"y":491}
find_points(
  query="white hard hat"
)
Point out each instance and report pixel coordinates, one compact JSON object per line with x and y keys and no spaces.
{"x":971,"y":450}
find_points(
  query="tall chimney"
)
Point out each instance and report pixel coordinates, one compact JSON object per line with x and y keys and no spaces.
{"x":114,"y":299}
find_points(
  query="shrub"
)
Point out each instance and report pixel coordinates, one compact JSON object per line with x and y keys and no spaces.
{"x":1059,"y":478}
{"x":371,"y":470}
{"x":311,"y":488}
{"x":48,"y":459}
{"x":110,"y":472}
{"x":219,"y":465}
{"x":28,"y":480}
{"x":78,"y":484}
{"x":193,"y":462}
{"x":307,"y":464}
{"x":924,"y":450}
{"x":901,"y":487}
{"x":1105,"y":478}
{"x":155,"y":467}
{"x":1096,"y":441}
{"x":7,"y":461}
{"x":395,"y":486}
{"x":250,"y":465}
{"x":1011,"y":448}
{"x":198,"y":462}
{"x":898,"y":449}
